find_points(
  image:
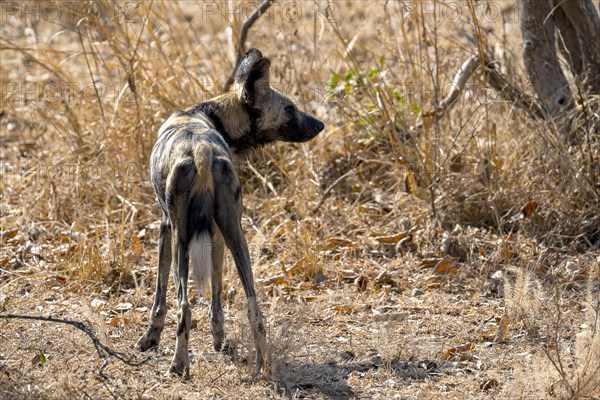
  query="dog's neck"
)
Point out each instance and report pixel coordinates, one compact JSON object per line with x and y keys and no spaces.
{"x":235,"y":121}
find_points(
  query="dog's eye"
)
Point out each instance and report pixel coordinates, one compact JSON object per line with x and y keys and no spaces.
{"x":290,"y":109}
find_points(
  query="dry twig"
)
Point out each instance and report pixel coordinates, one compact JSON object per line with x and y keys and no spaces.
{"x":329,"y":189}
{"x":498,"y":81}
{"x":260,"y":10}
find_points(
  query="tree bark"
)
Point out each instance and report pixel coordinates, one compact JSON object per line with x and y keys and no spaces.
{"x":586,"y":22}
{"x":539,"y":55}
{"x":568,"y":43}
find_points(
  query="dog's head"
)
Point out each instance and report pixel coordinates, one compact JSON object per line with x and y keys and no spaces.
{"x":277,"y":117}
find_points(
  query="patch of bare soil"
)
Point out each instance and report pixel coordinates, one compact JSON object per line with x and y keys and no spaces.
{"x":416,"y":329}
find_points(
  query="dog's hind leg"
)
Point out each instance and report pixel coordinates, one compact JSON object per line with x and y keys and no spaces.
{"x":180,"y":362}
{"x":179,"y":185}
{"x":228,"y":211}
{"x":216,"y":305}
{"x":159,"y":309}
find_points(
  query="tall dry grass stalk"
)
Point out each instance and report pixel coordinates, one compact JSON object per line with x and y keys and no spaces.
{"x":573,"y":357}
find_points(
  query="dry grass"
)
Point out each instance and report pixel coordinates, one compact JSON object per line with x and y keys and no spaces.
{"x":377,"y":248}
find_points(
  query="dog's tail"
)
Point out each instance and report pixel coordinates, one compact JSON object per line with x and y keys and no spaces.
{"x":200,"y":214}
{"x":200,"y":251}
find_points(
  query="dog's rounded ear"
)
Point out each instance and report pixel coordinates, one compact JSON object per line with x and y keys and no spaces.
{"x":252,"y":76}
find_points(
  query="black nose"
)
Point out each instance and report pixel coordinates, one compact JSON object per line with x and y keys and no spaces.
{"x":320,"y":126}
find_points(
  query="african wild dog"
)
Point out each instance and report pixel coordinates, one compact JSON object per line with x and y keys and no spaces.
{"x":193,"y":174}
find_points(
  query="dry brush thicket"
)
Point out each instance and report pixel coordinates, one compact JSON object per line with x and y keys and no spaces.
{"x":408,"y":251}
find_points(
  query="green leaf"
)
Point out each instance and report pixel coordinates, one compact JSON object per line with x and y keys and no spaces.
{"x":333,"y":82}
{"x":42,"y":359}
{"x":400,"y":98}
{"x":415,"y":108}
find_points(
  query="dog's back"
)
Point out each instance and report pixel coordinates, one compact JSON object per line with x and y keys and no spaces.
{"x":187,"y":148}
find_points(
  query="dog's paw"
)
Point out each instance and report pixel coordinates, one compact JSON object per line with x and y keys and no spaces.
{"x":147,"y":342}
{"x":180,"y":369}
{"x":258,"y":364}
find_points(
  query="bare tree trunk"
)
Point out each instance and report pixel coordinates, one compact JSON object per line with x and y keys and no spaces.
{"x":584,"y":18}
{"x":568,"y":43}
{"x":540,"y":59}
{"x":572,"y":26}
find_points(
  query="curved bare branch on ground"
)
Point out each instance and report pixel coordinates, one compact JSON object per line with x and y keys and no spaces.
{"x":101,"y":348}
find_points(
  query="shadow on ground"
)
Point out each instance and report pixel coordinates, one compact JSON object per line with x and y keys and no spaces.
{"x":330,"y":379}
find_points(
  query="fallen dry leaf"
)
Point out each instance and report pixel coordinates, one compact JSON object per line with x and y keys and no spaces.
{"x":392,"y":238}
{"x":348,"y":274}
{"x":489,"y":384}
{"x":434,"y":285}
{"x":384,"y":278}
{"x":306,"y":285}
{"x":64,"y":239}
{"x":278,"y":280}
{"x":361,"y":282}
{"x":410,"y":183}
{"x":97,"y":303}
{"x":6,"y":235}
{"x":529,"y":208}
{"x":501,"y":335}
{"x":18,"y":239}
{"x":65,"y":248}
{"x":124,"y":306}
{"x":297,"y":268}
{"x":430,"y":262}
{"x":453,"y":352}
{"x":136,"y":246}
{"x":342,"y":309}
{"x":333,"y":243}
{"x":445,"y":267}
{"x":55,"y":280}
{"x":116,"y":321}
